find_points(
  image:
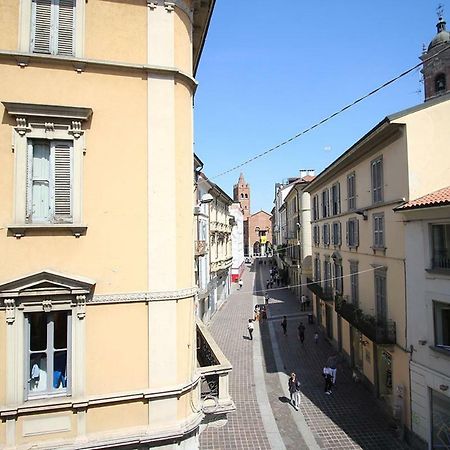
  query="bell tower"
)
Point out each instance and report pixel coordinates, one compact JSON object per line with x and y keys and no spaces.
{"x":436,"y":71}
{"x":241,"y":194}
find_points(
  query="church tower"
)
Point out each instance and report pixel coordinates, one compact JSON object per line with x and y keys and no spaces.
{"x":241,"y":194}
{"x":436,"y":71}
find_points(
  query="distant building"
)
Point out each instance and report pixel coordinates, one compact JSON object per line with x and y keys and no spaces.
{"x":237,"y":242}
{"x":257,"y":227}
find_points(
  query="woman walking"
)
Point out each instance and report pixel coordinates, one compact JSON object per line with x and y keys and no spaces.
{"x":250,"y":328}
{"x":294,"y":390}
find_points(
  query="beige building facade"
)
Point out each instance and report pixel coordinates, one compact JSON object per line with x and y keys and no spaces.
{"x":99,"y":345}
{"x":359,"y":246}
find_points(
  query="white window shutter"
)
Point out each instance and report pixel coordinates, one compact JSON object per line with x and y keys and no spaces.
{"x":42,"y":26}
{"x":29,"y":185}
{"x":62,"y":152}
{"x":66,"y":27}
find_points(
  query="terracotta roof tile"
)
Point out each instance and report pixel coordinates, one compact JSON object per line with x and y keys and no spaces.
{"x":436,"y":198}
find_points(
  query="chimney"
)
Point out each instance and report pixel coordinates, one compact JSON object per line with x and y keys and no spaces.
{"x":305,"y":172}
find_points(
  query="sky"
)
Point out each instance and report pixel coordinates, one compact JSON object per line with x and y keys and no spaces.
{"x":272,"y":68}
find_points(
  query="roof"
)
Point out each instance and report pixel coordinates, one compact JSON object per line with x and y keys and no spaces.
{"x":202,"y":12}
{"x":259,"y":212}
{"x":383,"y":130}
{"x":436,"y":198}
{"x":307,"y":178}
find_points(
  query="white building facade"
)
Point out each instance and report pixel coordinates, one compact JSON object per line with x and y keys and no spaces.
{"x":237,"y":242}
{"x":427,"y":244}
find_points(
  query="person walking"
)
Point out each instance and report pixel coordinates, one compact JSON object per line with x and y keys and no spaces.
{"x":284,"y":325}
{"x":250,"y":328}
{"x":301,"y":332}
{"x":327,"y":373}
{"x":241,"y":283}
{"x":303,"y":302}
{"x":332,"y":364}
{"x":316,"y":337}
{"x":294,"y":390}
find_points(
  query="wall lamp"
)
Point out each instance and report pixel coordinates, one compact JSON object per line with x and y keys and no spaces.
{"x":363,"y":214}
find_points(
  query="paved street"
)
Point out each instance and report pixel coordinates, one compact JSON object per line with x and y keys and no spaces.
{"x":349,"y":418}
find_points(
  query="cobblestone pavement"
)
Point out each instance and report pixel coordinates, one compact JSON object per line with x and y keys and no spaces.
{"x":244,"y":429}
{"x":349,"y":418}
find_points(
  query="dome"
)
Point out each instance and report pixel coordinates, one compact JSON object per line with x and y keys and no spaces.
{"x":442,"y":36}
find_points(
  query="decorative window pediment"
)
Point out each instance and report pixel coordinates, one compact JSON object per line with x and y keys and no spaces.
{"x":46,"y":283}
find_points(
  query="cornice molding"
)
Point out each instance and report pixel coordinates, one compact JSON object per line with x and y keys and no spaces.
{"x":171,"y":5}
{"x":144,"y":296}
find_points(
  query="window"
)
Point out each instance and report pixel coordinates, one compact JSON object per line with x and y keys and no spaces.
{"x":325,"y":203}
{"x":316,"y":235}
{"x":378,"y":231}
{"x":48,"y":344}
{"x":327,"y":275}
{"x":380,"y":295}
{"x":441,"y":325}
{"x":337,"y":239}
{"x":316,"y":207}
{"x":49,"y":182}
{"x":242,"y":195}
{"x":354,"y":287}
{"x":440,"y":237}
{"x":317,"y":274}
{"x":53,"y":27}
{"x":246,"y":195}
{"x":440,"y":84}
{"x":377,"y":180}
{"x":351,"y":191}
{"x":336,"y":199}
{"x":352,"y":233}
{"x":338,"y":280}
{"x":326,"y":234}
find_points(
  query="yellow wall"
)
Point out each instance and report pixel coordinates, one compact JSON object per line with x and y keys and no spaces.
{"x":114,"y":250}
{"x":116,"y":348}
{"x":9,"y":13}
{"x":20,"y":439}
{"x":116,"y":417}
{"x":3,"y":326}
{"x":116,"y":31}
{"x":182,"y":43}
{"x":185,"y":338}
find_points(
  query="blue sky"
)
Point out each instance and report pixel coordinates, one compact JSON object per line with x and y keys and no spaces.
{"x":271,"y":68}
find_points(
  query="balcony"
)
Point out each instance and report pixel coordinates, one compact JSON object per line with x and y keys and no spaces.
{"x":316,"y":288}
{"x":379,"y":332}
{"x":215,"y":371}
{"x":201,"y":247}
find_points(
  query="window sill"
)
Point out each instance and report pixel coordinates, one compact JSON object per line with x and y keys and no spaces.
{"x":36,"y":229}
{"x":379,"y":250}
{"x":440,"y":349}
{"x":437,"y":273}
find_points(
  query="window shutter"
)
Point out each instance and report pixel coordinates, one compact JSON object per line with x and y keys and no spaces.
{"x":346,"y":233}
{"x":338,"y":198}
{"x":63,"y":182}
{"x":29,"y":187}
{"x":66,"y":15}
{"x":41,"y":24}
{"x":356,"y":233}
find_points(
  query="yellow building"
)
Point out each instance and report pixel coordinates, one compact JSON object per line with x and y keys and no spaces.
{"x":98,"y":340}
{"x":359,"y":247}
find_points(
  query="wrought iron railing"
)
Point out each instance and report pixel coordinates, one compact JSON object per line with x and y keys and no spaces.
{"x":440,"y":262}
{"x":200,"y":248}
{"x":378,"y":331}
{"x":316,"y":288}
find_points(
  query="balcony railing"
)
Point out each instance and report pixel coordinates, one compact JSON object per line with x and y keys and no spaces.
{"x":317,"y":289}
{"x":440,"y":263}
{"x":215,"y":370}
{"x":201,"y":247}
{"x":379,"y":332}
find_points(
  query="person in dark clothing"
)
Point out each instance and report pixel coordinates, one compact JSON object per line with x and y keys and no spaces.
{"x":284,"y":325}
{"x":294,"y":390}
{"x":250,"y":328}
{"x":328,"y":375}
{"x":301,"y":332}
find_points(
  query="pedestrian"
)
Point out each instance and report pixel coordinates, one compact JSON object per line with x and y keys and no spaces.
{"x":294,"y":390}
{"x":328,"y":379}
{"x":303,"y":302}
{"x":256,"y":312}
{"x":316,"y":337}
{"x":268,"y":284}
{"x":241,"y":283}
{"x":332,"y":364}
{"x":250,"y":327}
{"x":266,"y":298}
{"x":278,"y":280}
{"x":263,"y":313}
{"x":284,"y":325}
{"x":301,"y":332}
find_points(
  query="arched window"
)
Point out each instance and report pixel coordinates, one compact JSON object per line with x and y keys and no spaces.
{"x":246,"y":195}
{"x":440,"y":84}
{"x":242,"y":195}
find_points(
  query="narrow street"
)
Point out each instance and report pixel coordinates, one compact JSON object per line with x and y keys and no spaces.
{"x":349,"y":418}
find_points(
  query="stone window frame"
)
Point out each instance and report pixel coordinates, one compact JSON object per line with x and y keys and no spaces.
{"x":51,"y":123}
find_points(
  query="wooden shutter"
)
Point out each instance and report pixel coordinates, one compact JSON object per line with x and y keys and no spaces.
{"x":347,"y":240}
{"x":62,"y":157}
{"x":42,"y":26}
{"x":356,"y":233}
{"x":66,"y":27}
